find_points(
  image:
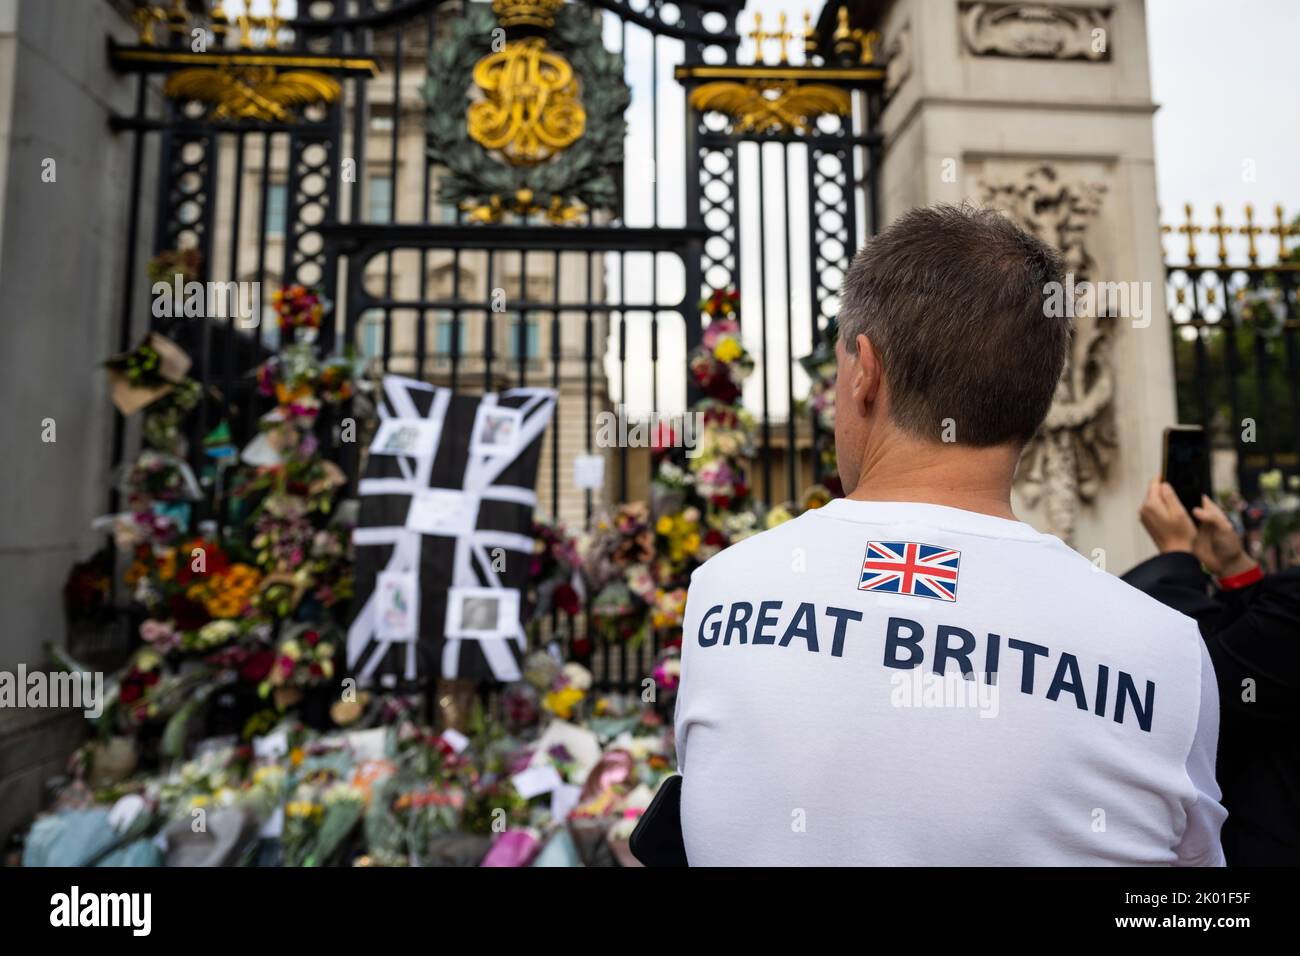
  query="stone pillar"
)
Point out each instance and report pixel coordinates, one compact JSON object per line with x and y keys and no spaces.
{"x":1045,"y":111}
{"x":62,"y":248}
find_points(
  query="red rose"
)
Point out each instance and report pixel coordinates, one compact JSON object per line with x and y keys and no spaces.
{"x":257,"y":667}
{"x":566,"y":599}
{"x":128,"y":693}
{"x":189,"y":615}
{"x":312,"y":638}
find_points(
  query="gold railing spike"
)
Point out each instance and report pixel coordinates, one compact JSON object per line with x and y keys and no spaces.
{"x":1190,"y":230}
{"x":245,"y":31}
{"x":867,"y":43}
{"x":842,"y":23}
{"x":758,"y":36}
{"x":1222,"y":232}
{"x":842,"y":36}
{"x":273,"y":26}
{"x":1250,"y":231}
{"x":783,"y":37}
{"x":1281,"y":230}
{"x":220,"y":23}
{"x":809,"y":36}
{"x":178,"y":20}
{"x":145,"y":18}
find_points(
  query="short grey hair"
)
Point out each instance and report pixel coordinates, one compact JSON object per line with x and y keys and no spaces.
{"x":952,"y":299}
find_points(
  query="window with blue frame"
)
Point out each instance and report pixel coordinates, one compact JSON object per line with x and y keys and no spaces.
{"x":531,"y":337}
{"x":379,"y":199}
{"x":371,"y":333}
{"x":443,"y":333}
{"x":277,"y":205}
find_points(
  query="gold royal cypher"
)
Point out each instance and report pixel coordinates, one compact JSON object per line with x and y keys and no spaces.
{"x":530,"y":109}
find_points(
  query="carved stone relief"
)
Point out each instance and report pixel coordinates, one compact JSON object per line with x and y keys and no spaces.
{"x":1065,"y":463}
{"x":1033,"y":30}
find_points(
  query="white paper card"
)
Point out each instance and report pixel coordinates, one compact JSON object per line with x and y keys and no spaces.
{"x":397,"y":606}
{"x":367,"y":744}
{"x":455,"y":739}
{"x":563,"y":799}
{"x":589,"y":472}
{"x":536,"y":781}
{"x":274,"y":824}
{"x":272,"y":746}
{"x":442,"y":511}
{"x":405,"y":436}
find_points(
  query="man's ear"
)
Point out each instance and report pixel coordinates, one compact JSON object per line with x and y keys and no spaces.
{"x":866,"y":374}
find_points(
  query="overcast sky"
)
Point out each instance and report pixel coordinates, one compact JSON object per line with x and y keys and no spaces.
{"x":1226,"y":74}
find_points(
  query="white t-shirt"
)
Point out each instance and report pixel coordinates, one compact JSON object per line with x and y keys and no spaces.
{"x":814,"y":728}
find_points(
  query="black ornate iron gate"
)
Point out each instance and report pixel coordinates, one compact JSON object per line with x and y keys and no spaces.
{"x":759,"y":176}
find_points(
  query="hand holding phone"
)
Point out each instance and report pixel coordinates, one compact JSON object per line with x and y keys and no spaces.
{"x":1186,"y":465}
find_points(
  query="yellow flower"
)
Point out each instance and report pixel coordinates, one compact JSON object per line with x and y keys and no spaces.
{"x":692,"y":543}
{"x":167,"y":565}
{"x":302,"y":809}
{"x":147,"y":660}
{"x":727,"y":349}
{"x":296,"y":756}
{"x":664,"y":525}
{"x":562,"y":702}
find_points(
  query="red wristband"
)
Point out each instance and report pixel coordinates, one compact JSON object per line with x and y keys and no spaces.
{"x":1244,"y":579}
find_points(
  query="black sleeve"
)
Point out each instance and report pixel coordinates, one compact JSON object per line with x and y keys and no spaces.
{"x":1252,"y":633}
{"x":1257,"y":653}
{"x":1176,"y":580}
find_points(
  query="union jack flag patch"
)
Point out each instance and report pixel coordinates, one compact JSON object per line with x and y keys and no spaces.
{"x":907,"y":567}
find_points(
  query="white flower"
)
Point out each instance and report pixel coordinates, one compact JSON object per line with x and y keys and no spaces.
{"x":577,"y":676}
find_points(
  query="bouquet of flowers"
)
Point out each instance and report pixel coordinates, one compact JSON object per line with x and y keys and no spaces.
{"x":167,"y":265}
{"x":299,"y":307}
{"x":301,"y":383}
{"x":553,"y":572}
{"x":304,"y":658}
{"x":617,"y":558}
{"x":721,"y":363}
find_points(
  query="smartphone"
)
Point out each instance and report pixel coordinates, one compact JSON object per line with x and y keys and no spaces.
{"x":1187,"y":464}
{"x":657,"y":839}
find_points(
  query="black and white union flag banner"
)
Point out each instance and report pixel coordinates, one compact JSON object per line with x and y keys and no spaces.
{"x":444,"y":536}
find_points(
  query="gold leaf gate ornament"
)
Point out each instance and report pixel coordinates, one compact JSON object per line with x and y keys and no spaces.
{"x":792,"y":108}
{"x":252,"y":93}
{"x":531,"y":108}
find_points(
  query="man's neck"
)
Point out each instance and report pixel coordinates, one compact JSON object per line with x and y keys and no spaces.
{"x":972,"y":479}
